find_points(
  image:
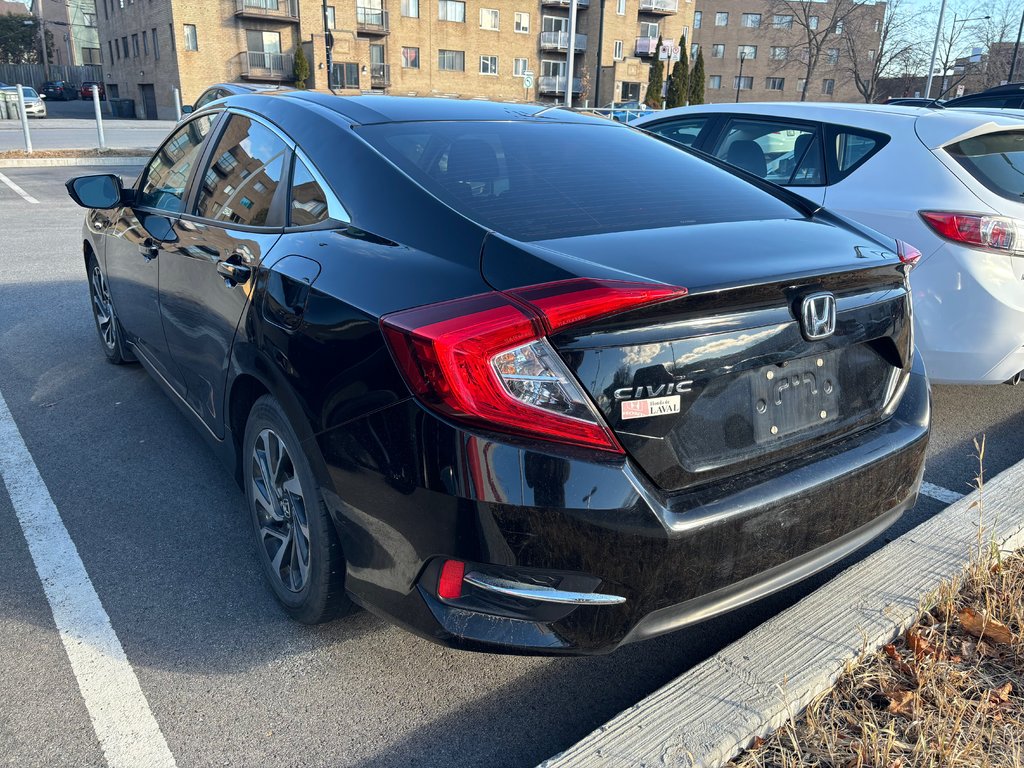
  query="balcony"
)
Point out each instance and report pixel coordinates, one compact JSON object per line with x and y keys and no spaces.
{"x":647,"y":46}
{"x":564,"y":3}
{"x":559,"y":41}
{"x":268,"y":10}
{"x":371,"y":21}
{"x":259,"y":65}
{"x":554,"y":86}
{"x":380,"y":75}
{"x":660,"y":7}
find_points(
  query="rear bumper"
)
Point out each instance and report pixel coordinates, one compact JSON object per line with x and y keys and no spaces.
{"x":676,"y":558}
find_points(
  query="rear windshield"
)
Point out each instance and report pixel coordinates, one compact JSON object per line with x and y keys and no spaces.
{"x":996,"y":160}
{"x":540,"y":181}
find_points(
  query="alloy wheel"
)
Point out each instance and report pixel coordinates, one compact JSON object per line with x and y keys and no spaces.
{"x":280,"y":508}
{"x":102,"y":307}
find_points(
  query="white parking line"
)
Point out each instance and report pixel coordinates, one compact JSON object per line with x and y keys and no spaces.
{"x":120,"y":714}
{"x":25,"y":195}
{"x":939,"y":493}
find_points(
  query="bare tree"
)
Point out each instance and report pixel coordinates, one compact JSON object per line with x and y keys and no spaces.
{"x":880,"y":46}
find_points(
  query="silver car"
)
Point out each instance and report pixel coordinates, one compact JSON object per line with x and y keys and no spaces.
{"x":35,"y":106}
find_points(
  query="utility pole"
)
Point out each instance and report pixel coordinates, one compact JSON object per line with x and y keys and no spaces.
{"x":329,"y":45}
{"x":1016,"y":47}
{"x":45,"y":60}
{"x":739,"y":80}
{"x":571,"y":55}
{"x":935,"y":49}
{"x":600,"y":52}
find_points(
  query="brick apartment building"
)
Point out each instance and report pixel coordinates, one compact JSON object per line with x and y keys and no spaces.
{"x":771,"y":38}
{"x":453,"y":48}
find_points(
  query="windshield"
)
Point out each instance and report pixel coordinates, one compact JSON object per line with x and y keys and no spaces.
{"x":996,"y":160}
{"x":537,"y":181}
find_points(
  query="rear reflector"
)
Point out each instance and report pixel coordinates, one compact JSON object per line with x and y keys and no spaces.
{"x":449,"y":586}
{"x":485,"y":360}
{"x":993,"y":233}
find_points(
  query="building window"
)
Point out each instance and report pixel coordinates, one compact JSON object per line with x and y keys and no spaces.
{"x":519,"y":67}
{"x":145,"y":43}
{"x":801,"y":84}
{"x":191,"y":39}
{"x":331,"y":19}
{"x":812,"y":22}
{"x":618,"y":50}
{"x":871,"y":55}
{"x":694,"y":49}
{"x":744,"y":83}
{"x":774,"y":83}
{"x":746,"y":52}
{"x":839,"y":27}
{"x":696,"y":19}
{"x":780,"y":52}
{"x":451,"y":61}
{"x":110,"y":50}
{"x":833,"y":56}
{"x":714,"y":82}
{"x":878,"y":25}
{"x":750,"y":20}
{"x":522,"y":22}
{"x":717,"y":51}
{"x":722,"y":19}
{"x":170,"y":29}
{"x":156,"y":45}
{"x":649,"y":29}
{"x":488,"y":65}
{"x":411,"y":8}
{"x":782,"y":21}
{"x":553,"y":68}
{"x":124,"y":46}
{"x":451,"y":10}
{"x":135,"y":45}
{"x":620,"y":8}
{"x":345,"y":75}
{"x":489,"y":19}
{"x":410,"y":58}
{"x":828,"y":86}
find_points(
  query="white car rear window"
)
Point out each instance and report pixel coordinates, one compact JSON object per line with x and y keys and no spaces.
{"x":994,"y":159}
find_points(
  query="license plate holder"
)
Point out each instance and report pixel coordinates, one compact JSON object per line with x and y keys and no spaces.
{"x":794,"y":397}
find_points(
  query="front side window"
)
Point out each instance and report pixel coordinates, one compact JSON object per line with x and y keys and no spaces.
{"x":164,"y":180}
{"x":717,"y":51}
{"x":722,"y":19}
{"x":246,"y":169}
{"x":751,"y":20}
{"x":451,"y":61}
{"x":489,"y":19}
{"x":308,"y":199}
{"x":410,"y":58}
{"x":781,"y":152}
{"x":191,"y":39}
{"x":522,"y":22}
{"x":451,"y":10}
{"x":488,"y":65}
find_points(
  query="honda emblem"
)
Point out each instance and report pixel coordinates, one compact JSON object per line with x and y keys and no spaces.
{"x":818,"y":316}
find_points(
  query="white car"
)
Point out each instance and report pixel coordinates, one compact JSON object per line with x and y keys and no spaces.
{"x":949,"y":182}
{"x":34,"y":104}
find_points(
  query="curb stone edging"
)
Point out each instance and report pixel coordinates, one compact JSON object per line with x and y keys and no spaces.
{"x":710,"y":713}
{"x":50,"y":162}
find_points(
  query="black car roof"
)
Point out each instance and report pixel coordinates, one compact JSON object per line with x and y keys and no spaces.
{"x":368,"y":110}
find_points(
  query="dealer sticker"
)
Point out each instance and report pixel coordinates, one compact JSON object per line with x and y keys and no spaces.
{"x":653,"y":406}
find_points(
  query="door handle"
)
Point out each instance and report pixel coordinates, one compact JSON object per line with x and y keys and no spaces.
{"x":233,"y":274}
{"x":149,"y":248}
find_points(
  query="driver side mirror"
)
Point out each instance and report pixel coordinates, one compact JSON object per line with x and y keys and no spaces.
{"x":187,"y":109}
{"x":100,"y":191}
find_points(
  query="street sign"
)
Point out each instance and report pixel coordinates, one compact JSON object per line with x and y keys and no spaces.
{"x":528,"y":81}
{"x":669,"y":52}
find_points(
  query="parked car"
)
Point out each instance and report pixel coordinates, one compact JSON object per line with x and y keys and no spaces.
{"x":916,"y":102}
{"x":945,"y":180}
{"x":470,"y":380}
{"x":61,"y":90}
{"x":1009,"y":96}
{"x":34,"y":104}
{"x":222,"y":90}
{"x":625,"y":111}
{"x":86,"y":91}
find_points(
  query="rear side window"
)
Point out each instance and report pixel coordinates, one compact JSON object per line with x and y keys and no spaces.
{"x":850,"y":148}
{"x":308,"y":199}
{"x":999,"y":102}
{"x":996,"y":160}
{"x":533,"y":180}
{"x":244,"y":172}
{"x":784,"y":153}
{"x":683,"y":131}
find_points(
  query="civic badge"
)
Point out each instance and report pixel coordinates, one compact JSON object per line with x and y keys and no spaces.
{"x":818,"y":316}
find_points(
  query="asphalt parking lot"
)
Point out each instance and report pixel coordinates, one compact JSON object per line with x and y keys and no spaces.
{"x":162,"y":532}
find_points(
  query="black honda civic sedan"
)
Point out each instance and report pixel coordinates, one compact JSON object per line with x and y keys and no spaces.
{"x":515,"y":378}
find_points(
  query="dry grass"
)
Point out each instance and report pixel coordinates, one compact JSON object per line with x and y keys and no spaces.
{"x":950,"y":692}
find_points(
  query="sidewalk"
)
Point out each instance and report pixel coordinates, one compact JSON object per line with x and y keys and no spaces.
{"x":77,"y":133}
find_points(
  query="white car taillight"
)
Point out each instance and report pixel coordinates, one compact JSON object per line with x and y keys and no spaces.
{"x":992,"y":233}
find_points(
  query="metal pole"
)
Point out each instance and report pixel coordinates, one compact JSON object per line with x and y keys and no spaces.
{"x":935,"y":50}
{"x":1016,"y":47}
{"x":739,"y":80}
{"x":24,"y":118}
{"x":177,"y":103}
{"x":600,"y":54}
{"x":99,"y":116}
{"x":329,"y":49}
{"x":571,"y":53}
{"x":45,"y":60}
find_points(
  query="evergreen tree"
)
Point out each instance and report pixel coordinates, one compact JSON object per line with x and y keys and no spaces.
{"x":301,"y":68}
{"x":697,"y":80}
{"x":653,"y":98}
{"x":678,"y":83}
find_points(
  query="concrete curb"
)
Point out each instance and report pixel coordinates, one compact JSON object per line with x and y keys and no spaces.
{"x":712,"y":711}
{"x":50,"y":162}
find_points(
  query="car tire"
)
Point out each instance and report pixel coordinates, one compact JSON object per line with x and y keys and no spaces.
{"x":296,"y":543}
{"x":107,"y":325}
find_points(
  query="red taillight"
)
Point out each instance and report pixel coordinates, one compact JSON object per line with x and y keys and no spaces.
{"x":995,"y":233}
{"x":449,"y":586}
{"x":484,"y":359}
{"x":908,"y":254}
